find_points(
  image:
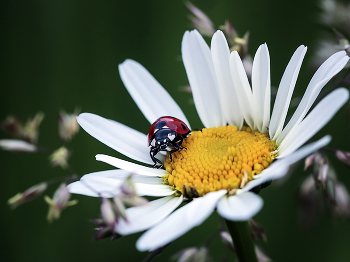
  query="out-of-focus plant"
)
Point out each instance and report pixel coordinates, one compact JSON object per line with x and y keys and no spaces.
{"x":25,"y":139}
{"x":322,"y":189}
{"x":336,"y":20}
{"x":59,"y":202}
{"x":192,"y":254}
{"x":114,"y":209}
{"x":227,"y":240}
{"x":28,"y":195}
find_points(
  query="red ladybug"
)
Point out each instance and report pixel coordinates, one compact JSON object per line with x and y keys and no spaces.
{"x":166,"y":134}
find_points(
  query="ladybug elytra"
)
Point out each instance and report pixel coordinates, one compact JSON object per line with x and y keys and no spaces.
{"x":166,"y":134}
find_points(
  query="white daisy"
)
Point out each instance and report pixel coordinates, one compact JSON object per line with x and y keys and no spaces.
{"x":222,"y":95}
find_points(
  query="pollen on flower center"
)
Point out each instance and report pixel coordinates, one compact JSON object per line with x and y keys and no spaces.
{"x":218,"y":158}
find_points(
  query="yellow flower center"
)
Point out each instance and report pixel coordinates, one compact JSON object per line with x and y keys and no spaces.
{"x":218,"y":158}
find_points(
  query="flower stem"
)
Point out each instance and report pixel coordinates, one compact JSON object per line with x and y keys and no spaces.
{"x":242,"y":240}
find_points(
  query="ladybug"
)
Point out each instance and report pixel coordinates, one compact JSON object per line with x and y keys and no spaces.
{"x":166,"y":134}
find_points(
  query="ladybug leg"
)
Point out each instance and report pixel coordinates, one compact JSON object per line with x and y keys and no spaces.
{"x":156,"y":161}
{"x":170,"y":152}
{"x":181,"y":139}
{"x":177,"y":148}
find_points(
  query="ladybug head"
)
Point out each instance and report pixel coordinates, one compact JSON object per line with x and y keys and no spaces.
{"x":162,"y":138}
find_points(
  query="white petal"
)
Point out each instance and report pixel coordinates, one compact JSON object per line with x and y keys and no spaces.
{"x":96,"y":187}
{"x":201,"y":75}
{"x":240,"y":207}
{"x":280,"y":167}
{"x":117,"y":174}
{"x":261,"y":88}
{"x":242,"y":88}
{"x":285,"y":91}
{"x":143,"y":217}
{"x":107,"y":184}
{"x":131,"y":167}
{"x":149,"y":180}
{"x":152,"y":99}
{"x":305,"y":151}
{"x":319,"y":116}
{"x":153,"y":190}
{"x":179,"y":222}
{"x":274,"y":171}
{"x":228,"y":97}
{"x":104,"y":183}
{"x":121,"y":138}
{"x":327,"y":70}
{"x":120,"y":174}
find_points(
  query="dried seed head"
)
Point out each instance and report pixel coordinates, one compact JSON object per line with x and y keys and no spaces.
{"x":342,"y":200}
{"x":192,"y":254}
{"x":28,"y":195}
{"x":257,"y":230}
{"x":59,"y":202}
{"x":60,"y":157}
{"x":108,"y":213}
{"x":31,"y":128}
{"x":12,"y":126}
{"x":15,"y":145}
{"x":343,"y":156}
{"x":67,"y":125}
{"x":309,"y":161}
{"x":200,"y":21}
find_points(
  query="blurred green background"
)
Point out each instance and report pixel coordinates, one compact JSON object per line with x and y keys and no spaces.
{"x":64,"y":54}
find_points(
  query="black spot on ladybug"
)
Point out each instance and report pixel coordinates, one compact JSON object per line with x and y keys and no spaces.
{"x":160,"y":125}
{"x":183,"y":126}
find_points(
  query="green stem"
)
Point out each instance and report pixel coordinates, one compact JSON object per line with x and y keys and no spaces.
{"x":242,"y":240}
